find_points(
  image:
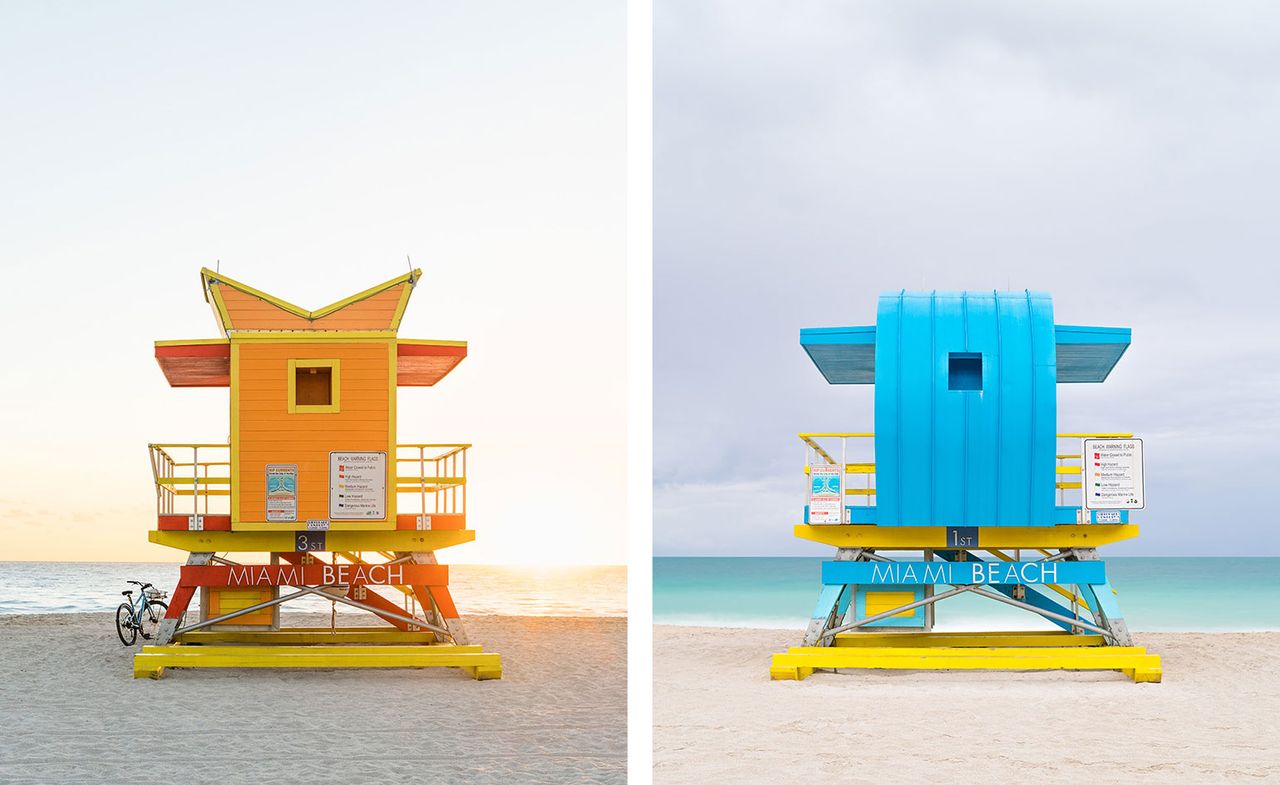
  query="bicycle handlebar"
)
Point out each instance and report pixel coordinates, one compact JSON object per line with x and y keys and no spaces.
{"x":139,"y":583}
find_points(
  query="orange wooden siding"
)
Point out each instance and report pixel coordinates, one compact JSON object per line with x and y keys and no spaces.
{"x":247,"y":312}
{"x":270,"y":434}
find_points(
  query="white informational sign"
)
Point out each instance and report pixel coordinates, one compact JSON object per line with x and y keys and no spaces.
{"x":826,"y":496}
{"x":1111,"y":474}
{"x":282,"y":493}
{"x":357,"y":486}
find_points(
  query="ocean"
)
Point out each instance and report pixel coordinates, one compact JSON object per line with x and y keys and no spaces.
{"x":88,"y":587}
{"x":1157,"y":594}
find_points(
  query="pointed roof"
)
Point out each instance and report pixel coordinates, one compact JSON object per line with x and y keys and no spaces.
{"x":239,"y":306}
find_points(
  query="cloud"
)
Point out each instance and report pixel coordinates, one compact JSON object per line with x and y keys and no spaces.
{"x":809,"y":156}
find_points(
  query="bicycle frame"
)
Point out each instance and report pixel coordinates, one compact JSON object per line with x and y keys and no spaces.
{"x":139,"y":605}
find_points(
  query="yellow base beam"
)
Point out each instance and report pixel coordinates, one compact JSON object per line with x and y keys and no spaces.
{"x":1133,"y":661}
{"x":283,"y":541}
{"x":965,"y":639}
{"x":313,"y":635}
{"x":849,"y":535}
{"x":152,"y":661}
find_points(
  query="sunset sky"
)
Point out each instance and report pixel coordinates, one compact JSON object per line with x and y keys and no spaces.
{"x":310,"y":153}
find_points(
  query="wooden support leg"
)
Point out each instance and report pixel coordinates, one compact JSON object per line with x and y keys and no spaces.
{"x":824,"y":616}
{"x":180,"y":601}
{"x":442,"y":601}
{"x":1102,"y":598}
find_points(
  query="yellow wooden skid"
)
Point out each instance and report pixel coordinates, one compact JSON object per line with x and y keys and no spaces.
{"x":1066,"y":486}
{"x":233,"y":649}
{"x":313,"y":635}
{"x":1082,"y":653}
{"x":153,"y":660}
{"x":859,"y":491}
{"x":912,"y":537}
{"x":964,"y":639}
{"x":283,"y":541}
{"x":1133,"y":661}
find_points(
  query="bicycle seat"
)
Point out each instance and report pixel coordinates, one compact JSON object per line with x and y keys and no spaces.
{"x":127,"y":593}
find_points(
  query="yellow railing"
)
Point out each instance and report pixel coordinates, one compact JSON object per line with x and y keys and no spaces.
{"x":861,"y":463}
{"x":435,"y":473}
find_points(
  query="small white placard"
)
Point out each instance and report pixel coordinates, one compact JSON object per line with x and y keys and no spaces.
{"x":317,"y":525}
{"x":282,"y":492}
{"x":1111,"y":474}
{"x":826,"y":494}
{"x":357,"y":486}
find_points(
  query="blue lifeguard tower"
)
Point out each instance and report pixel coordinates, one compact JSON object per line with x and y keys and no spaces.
{"x":966,"y":486}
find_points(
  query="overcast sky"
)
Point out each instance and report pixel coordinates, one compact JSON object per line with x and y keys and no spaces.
{"x":311,"y":146}
{"x":1122,"y":156}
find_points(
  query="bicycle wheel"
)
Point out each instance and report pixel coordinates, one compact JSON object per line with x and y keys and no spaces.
{"x":151,"y":617}
{"x":124,"y":624}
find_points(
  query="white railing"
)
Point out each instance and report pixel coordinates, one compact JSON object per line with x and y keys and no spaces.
{"x":434,"y":473}
{"x":182,"y":470}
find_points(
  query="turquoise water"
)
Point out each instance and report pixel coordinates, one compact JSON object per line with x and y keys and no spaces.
{"x":87,"y":587}
{"x":1157,"y":594}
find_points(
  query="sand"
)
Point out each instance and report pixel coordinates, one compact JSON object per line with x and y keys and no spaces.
{"x":70,"y":711}
{"x":718,"y":718}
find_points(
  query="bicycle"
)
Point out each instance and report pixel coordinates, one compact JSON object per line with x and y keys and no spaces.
{"x":140,"y":615}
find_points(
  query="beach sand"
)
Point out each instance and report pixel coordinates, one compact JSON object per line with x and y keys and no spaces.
{"x":71,"y":711}
{"x":718,"y":717}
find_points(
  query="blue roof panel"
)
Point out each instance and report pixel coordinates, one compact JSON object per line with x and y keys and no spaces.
{"x":844,"y":355}
{"x":1087,"y":354}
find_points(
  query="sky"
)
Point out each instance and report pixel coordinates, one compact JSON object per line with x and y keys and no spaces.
{"x":1121,"y":156}
{"x":309,"y":148}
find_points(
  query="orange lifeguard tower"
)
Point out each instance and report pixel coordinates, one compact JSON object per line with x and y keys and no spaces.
{"x":314,"y":476}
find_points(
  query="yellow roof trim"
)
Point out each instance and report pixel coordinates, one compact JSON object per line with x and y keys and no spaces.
{"x":208,"y":277}
{"x":429,"y":342}
{"x":195,"y":342}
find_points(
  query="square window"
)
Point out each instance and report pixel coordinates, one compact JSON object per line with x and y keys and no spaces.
{"x":964,"y":371}
{"x":314,"y":386}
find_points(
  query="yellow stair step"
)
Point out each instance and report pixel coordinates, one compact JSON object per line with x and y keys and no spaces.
{"x":963,"y":639}
{"x":1133,"y":661}
{"x":153,"y":660}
